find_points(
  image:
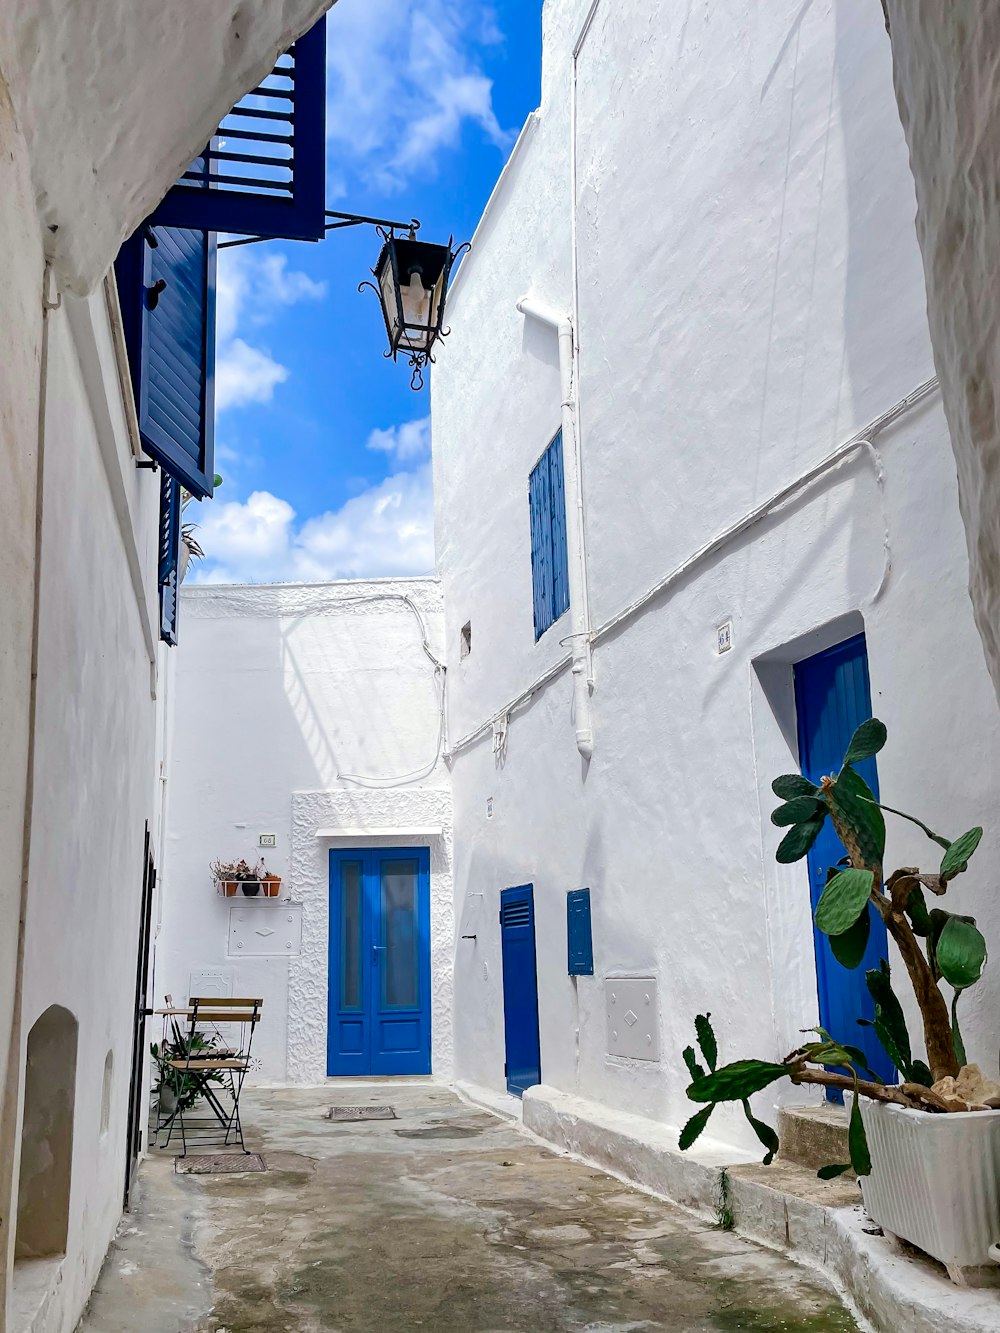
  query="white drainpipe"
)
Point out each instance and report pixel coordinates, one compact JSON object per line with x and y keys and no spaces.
{"x":576,"y":549}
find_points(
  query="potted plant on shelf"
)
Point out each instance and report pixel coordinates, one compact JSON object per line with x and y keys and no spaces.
{"x":226,"y":876}
{"x":270,"y":881}
{"x":931,"y":1174}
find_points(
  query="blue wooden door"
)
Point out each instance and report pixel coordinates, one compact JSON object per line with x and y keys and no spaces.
{"x":379,"y":962}
{"x":520,"y":988}
{"x":832,"y":698}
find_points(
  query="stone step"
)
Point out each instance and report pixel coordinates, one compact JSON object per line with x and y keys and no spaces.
{"x":813,"y":1136}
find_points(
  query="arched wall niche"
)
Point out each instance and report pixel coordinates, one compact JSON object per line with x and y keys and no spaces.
{"x":47,"y":1136}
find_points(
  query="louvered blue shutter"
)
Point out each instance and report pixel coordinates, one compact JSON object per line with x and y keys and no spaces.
{"x":169,"y":556}
{"x":557,"y":501}
{"x":541,"y":545}
{"x":264,"y":172}
{"x":579,"y":936}
{"x":175,"y":362}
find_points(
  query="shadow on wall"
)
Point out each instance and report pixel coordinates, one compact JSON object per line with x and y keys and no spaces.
{"x":47,"y":1136}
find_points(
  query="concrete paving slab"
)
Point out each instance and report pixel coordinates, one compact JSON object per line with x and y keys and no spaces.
{"x":448,"y":1220}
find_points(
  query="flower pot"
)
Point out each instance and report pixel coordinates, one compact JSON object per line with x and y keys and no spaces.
{"x":229,"y":887}
{"x":935,"y":1181}
{"x":272,"y":885}
{"x":167,"y":1100}
{"x":251,"y":887}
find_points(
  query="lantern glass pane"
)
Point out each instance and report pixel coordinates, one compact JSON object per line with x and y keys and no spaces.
{"x":390,"y":306}
{"x":416,"y":313}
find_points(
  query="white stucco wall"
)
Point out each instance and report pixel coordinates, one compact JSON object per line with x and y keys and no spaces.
{"x":750,"y":296}
{"x":280,"y":692}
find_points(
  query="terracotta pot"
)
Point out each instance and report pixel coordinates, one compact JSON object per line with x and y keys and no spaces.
{"x":229,"y":887}
{"x":272,"y":885}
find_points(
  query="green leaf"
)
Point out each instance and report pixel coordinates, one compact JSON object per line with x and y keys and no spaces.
{"x":956,"y":858}
{"x":857,"y":1141}
{"x":706,"y":1040}
{"x":694,"y":1127}
{"x":694,"y":1068}
{"x":866,"y":741}
{"x":960,"y":951}
{"x":736,"y":1081}
{"x":790,"y":785}
{"x":828,"y":1172}
{"x":919,"y":1073}
{"x":764,"y":1132}
{"x":956,"y":1035}
{"x":889,"y":1024}
{"x":843,"y":900}
{"x":854,"y":783}
{"x":797,"y":841}
{"x":934,"y":837}
{"x":797,"y":811}
{"x":916,"y":910}
{"x":862,"y":818}
{"x":849,"y":947}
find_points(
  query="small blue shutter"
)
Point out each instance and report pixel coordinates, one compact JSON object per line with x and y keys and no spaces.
{"x":541,"y":545}
{"x":264,"y":172}
{"x":169,"y":556}
{"x":176,"y":355}
{"x":557,"y":501}
{"x":549,"y":559}
{"x":579,"y":935}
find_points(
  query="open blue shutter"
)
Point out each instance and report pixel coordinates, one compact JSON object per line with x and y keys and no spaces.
{"x":579,"y":937}
{"x":264,"y":172}
{"x":169,"y":556}
{"x":176,"y":361}
{"x":541,"y":545}
{"x":557,"y":500}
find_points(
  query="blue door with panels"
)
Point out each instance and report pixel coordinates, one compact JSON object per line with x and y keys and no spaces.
{"x":520,"y":988}
{"x":832,"y":699}
{"x":380,"y":964}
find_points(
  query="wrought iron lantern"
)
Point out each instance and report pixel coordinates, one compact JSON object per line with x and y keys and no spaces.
{"x":411,"y":282}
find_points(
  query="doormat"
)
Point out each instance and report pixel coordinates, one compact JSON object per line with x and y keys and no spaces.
{"x":361,"y":1113}
{"x":219,"y":1164}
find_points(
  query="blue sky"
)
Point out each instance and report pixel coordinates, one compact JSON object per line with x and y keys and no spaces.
{"x":321,"y":443}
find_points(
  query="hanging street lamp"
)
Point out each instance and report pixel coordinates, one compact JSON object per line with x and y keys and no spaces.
{"x":411,"y":283}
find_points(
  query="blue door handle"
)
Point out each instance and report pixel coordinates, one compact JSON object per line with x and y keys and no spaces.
{"x":376,"y":950}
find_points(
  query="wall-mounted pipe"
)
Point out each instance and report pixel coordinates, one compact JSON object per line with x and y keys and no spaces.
{"x":576,"y":547}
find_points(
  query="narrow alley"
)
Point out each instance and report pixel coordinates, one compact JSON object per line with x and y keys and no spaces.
{"x":445,"y":1218}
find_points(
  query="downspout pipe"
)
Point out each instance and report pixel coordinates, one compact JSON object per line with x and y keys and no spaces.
{"x":576,"y":549}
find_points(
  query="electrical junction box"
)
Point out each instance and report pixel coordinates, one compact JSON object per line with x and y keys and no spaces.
{"x":633,"y":1014}
{"x":265,"y":931}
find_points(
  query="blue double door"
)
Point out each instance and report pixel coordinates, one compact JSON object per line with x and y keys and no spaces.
{"x":832,"y":698}
{"x":379,"y":964}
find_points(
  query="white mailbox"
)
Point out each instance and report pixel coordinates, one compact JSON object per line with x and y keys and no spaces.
{"x":265,"y":932}
{"x":633,"y":1017}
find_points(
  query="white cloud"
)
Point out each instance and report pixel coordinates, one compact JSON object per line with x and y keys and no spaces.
{"x":407,"y":442}
{"x":250,"y":289}
{"x":388,"y":529}
{"x":245,"y":374}
{"x":404,"y":80}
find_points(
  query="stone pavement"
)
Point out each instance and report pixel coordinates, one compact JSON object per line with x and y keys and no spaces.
{"x":447,"y":1220}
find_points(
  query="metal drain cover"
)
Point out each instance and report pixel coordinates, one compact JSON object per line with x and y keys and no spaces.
{"x":219,"y":1163}
{"x":361,"y":1113}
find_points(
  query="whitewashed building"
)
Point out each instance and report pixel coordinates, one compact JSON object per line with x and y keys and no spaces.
{"x":307,"y":730}
{"x":101,"y":108}
{"x":699,"y":266}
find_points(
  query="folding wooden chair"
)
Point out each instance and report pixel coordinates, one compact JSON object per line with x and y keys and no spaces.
{"x":230,"y":1062}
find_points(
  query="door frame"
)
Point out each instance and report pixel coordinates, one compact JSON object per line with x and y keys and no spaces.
{"x":137,"y":1080}
{"x":369,"y":1061}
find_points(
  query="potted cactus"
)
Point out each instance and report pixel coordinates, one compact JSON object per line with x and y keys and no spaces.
{"x":927,"y":1150}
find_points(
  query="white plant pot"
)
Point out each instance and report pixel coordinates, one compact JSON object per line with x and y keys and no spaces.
{"x":935,"y":1181}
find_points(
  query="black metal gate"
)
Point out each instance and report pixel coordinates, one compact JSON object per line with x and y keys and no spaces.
{"x":138,"y":1093}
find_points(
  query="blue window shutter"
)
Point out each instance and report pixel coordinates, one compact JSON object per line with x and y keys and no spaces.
{"x":169,"y":556}
{"x":540,"y":509}
{"x":176,"y":355}
{"x":579,"y":935}
{"x":557,"y":500}
{"x":264,"y":172}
